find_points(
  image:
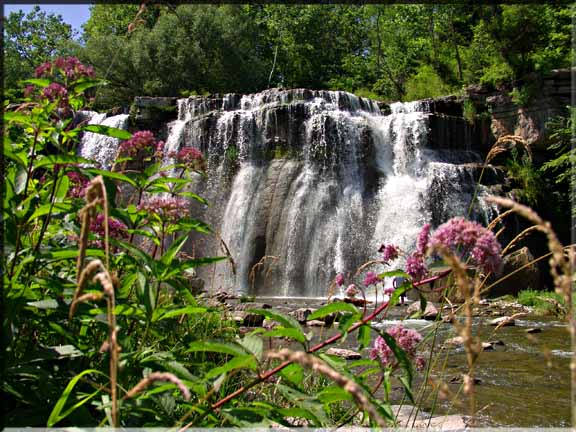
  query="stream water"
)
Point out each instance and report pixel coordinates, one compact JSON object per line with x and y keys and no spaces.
{"x":524,"y":381}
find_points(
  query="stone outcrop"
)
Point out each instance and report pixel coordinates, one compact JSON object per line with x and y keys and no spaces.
{"x":545,"y":99}
{"x":526,"y":276}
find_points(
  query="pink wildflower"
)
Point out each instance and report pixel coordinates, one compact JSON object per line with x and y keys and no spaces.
{"x":423,"y":238}
{"x":55,"y":91}
{"x":190,"y":157}
{"x":406,"y":339}
{"x":390,"y":252}
{"x":339,"y":279}
{"x":371,"y":278}
{"x":169,"y":209}
{"x":416,"y":266}
{"x":43,"y":70}
{"x":141,"y":140}
{"x":28,"y":90}
{"x":467,"y":237}
{"x":116,"y":228}
{"x":389,"y":290}
{"x":351,"y":291}
{"x":79,"y":183}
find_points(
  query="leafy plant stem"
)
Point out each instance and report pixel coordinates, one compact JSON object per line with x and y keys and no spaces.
{"x":317,"y":347}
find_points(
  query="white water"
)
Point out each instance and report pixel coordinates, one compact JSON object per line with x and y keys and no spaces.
{"x":317,"y":180}
{"x":100,"y":148}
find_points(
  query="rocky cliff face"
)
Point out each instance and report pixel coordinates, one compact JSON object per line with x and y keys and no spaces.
{"x":305,"y":184}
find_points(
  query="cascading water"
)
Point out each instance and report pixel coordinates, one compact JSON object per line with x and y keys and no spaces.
{"x":100,"y":148}
{"x":307,"y":184}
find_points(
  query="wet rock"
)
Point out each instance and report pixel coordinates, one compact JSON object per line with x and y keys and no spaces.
{"x":430,"y":313}
{"x":315,"y":323}
{"x":250,"y":305}
{"x":196,"y":285}
{"x":491,"y":345}
{"x":356,"y":301}
{"x":344,"y":353}
{"x":503,"y":321}
{"x":455,"y":341}
{"x":301,"y":315}
{"x":444,"y":423}
{"x":247,"y":319}
{"x":526,"y":278}
{"x":222,"y":296}
{"x":459,"y":379}
{"x":533,"y":330}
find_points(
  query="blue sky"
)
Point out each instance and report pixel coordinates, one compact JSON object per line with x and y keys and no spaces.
{"x":73,"y":14}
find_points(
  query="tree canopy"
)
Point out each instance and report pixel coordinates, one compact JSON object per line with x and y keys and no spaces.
{"x":389,"y":52}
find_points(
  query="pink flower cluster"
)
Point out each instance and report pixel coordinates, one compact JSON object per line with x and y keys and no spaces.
{"x":56,"y":92}
{"x":190,"y":157}
{"x":351,"y":291}
{"x":466,"y":237}
{"x":116,"y":228}
{"x":416,"y":266}
{"x":389,"y":252}
{"x":407,"y":339}
{"x":71,"y":67}
{"x":79,"y":182}
{"x":169,"y":209}
{"x":371,"y":278}
{"x":141,"y":140}
{"x":339,"y":279}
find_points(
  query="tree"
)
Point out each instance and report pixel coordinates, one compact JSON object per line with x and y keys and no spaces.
{"x":32,"y":39}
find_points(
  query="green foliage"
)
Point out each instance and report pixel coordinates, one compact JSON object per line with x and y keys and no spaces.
{"x":32,"y":39}
{"x":382,"y":51}
{"x":425,"y":84}
{"x":527,"y":177}
{"x":469,"y":111}
{"x":543,"y":302}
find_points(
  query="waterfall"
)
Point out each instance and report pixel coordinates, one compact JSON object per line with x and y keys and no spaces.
{"x":100,"y":148}
{"x":306,"y":184}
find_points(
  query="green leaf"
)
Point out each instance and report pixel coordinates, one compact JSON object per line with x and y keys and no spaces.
{"x":113,"y":175}
{"x":40,"y":82}
{"x":364,"y":336}
{"x":64,"y":254}
{"x":44,"y":304}
{"x":286,"y":321}
{"x":333,"y":394}
{"x":219,"y":347}
{"x":403,"y":361}
{"x":49,"y":208}
{"x":108,"y":131}
{"x":85,"y":84}
{"x":240,"y":362}
{"x":50,"y":161}
{"x":189,"y":310}
{"x":286,"y":332}
{"x":394,"y":273}
{"x":16,"y":117}
{"x":56,"y":415}
{"x":333,"y":308}
{"x":174,"y":248}
{"x":253,"y":344}
{"x":293,"y":373}
{"x":193,"y":196}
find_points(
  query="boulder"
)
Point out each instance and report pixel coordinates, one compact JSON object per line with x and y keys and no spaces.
{"x":504,"y":321}
{"x":247,"y":319}
{"x":527,"y":278}
{"x":315,"y":323}
{"x":454,"y":341}
{"x":344,"y":353}
{"x":301,"y":315}
{"x":430,"y":313}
